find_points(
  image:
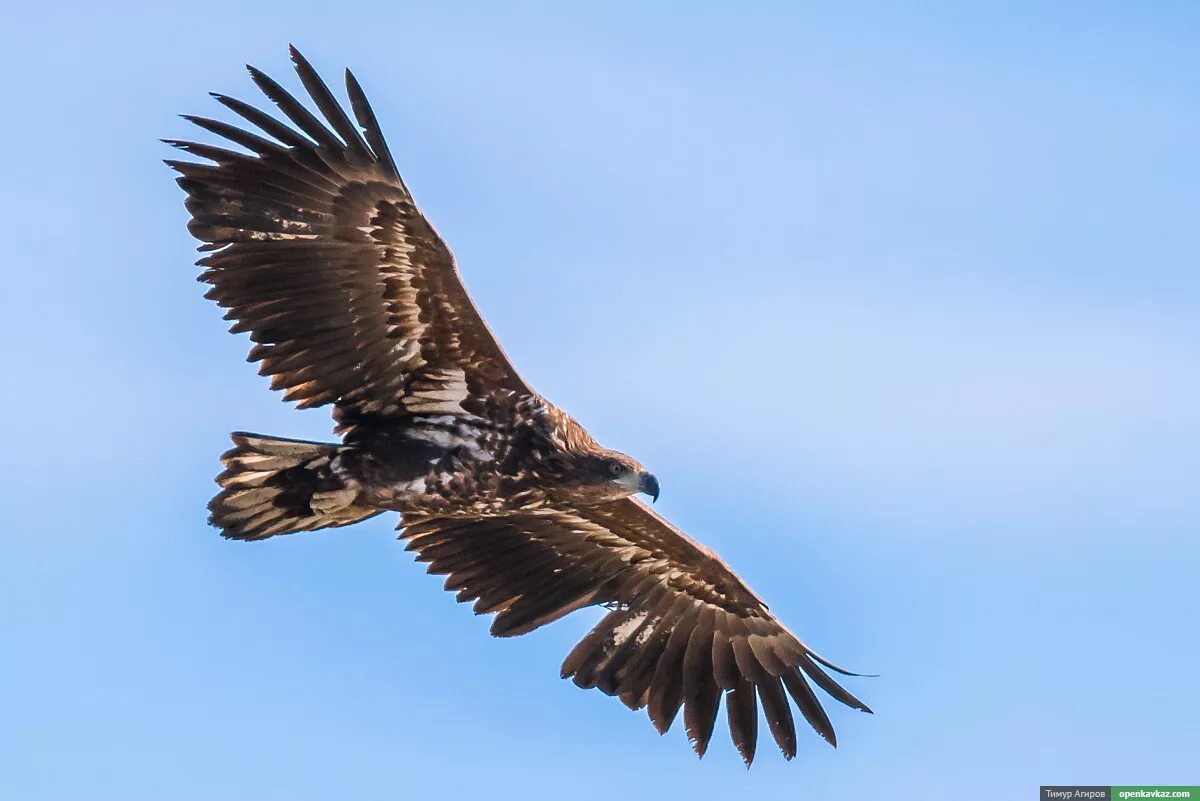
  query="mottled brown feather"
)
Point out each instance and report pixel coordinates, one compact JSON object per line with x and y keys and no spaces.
{"x":685,"y":629}
{"x":321,"y":225}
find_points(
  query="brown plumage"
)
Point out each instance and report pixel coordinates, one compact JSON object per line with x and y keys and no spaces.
{"x":316,"y":249}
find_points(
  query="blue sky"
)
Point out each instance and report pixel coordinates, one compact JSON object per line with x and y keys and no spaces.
{"x":900,"y":304}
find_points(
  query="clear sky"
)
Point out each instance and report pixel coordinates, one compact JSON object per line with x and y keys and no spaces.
{"x":900,"y":304}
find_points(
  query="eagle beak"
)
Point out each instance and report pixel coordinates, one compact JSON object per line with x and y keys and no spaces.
{"x":649,"y":485}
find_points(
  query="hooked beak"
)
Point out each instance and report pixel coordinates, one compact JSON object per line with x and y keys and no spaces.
{"x":649,"y":485}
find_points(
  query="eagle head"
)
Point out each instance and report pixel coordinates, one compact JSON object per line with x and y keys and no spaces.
{"x":606,"y":475}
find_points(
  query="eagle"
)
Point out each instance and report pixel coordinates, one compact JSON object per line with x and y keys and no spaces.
{"x":314,"y":245}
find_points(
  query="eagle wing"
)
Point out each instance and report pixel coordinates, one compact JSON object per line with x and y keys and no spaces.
{"x":682,"y":629}
{"x":318,"y":251}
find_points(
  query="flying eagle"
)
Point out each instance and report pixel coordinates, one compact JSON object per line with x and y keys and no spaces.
{"x":316,"y":248}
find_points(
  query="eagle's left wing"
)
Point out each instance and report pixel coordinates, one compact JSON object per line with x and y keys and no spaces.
{"x":316,"y":248}
{"x":683,"y":630}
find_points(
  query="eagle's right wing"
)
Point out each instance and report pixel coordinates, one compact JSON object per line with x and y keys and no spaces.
{"x":684,"y":630}
{"x":319,"y":252}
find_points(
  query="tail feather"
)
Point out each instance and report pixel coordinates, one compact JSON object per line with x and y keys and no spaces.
{"x":280,"y":486}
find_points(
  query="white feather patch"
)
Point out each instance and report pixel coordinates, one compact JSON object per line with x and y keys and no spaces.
{"x":438,"y":392}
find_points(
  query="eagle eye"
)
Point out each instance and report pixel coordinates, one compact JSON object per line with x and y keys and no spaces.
{"x":616,"y":468}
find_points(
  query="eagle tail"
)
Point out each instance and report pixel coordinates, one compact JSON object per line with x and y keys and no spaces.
{"x":280,"y":486}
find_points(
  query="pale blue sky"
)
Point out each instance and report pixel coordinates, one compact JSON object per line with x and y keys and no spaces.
{"x":900,"y":305}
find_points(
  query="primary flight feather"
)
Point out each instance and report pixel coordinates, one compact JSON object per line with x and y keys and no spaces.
{"x":317,"y":250}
